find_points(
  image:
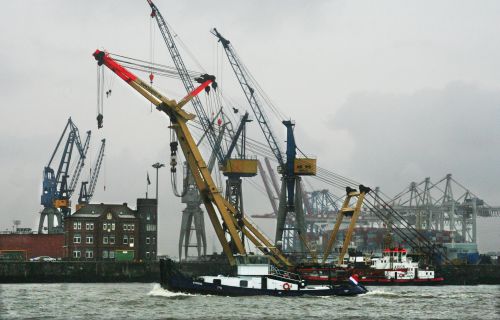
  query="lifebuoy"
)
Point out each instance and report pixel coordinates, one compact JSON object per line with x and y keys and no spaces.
{"x":286,"y":286}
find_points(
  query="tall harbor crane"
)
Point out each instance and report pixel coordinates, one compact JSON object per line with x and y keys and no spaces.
{"x":205,"y":122}
{"x":56,"y":192}
{"x":234,"y":168}
{"x":291,"y":167}
{"x":86,"y":193}
{"x":220,"y":211}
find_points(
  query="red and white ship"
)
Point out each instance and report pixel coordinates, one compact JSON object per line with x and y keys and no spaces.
{"x":393,"y":268}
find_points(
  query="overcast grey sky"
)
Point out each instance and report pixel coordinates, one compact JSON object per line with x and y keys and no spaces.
{"x":385,"y":92}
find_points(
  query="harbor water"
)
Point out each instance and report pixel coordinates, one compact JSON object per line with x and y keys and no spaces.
{"x":150,"y":301}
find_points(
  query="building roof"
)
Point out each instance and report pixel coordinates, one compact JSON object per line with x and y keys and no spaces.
{"x":97,"y":210}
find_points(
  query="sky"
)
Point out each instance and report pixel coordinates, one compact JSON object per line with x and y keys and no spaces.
{"x":384,"y":92}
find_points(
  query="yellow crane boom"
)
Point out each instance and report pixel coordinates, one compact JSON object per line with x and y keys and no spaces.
{"x":346,"y":211}
{"x":209,"y":192}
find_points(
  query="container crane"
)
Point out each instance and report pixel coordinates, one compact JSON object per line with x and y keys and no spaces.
{"x":56,"y":192}
{"x":86,"y":193}
{"x":218,"y":209}
{"x":291,"y":167}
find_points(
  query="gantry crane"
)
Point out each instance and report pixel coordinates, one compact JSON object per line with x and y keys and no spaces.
{"x":56,"y":192}
{"x":86,"y":193}
{"x":291,"y":167}
{"x":219,"y":210}
{"x":233,"y":168}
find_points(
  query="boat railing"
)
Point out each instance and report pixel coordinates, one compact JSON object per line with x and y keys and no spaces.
{"x":284,"y":274}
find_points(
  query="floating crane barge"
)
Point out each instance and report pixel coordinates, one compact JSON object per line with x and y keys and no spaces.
{"x":262,"y":283}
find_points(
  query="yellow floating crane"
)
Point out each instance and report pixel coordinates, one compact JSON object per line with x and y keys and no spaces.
{"x":218,"y":209}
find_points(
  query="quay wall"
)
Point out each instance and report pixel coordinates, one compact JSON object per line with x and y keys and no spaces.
{"x":100,"y":271}
{"x":470,"y":274}
{"x":66,"y":271}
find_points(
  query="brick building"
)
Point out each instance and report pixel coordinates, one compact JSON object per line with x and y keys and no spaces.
{"x":112,"y":232}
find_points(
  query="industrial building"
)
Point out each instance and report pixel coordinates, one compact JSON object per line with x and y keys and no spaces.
{"x":112,"y":232}
{"x":24,"y":246}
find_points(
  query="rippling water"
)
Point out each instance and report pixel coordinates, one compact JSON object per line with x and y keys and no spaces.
{"x":150,"y":301}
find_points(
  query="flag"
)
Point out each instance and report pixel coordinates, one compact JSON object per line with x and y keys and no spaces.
{"x":354,"y":279}
{"x":149,"y":181}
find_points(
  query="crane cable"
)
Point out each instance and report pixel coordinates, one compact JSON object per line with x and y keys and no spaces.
{"x":151,"y":53}
{"x":100,"y":96}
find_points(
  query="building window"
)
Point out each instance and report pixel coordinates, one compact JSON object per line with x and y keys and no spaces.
{"x":148,"y":217}
{"x":112,"y":239}
{"x":77,"y":225}
{"x":125,"y":239}
{"x":90,"y":239}
{"x":147,"y":240}
{"x":150,"y":227}
{"x":131,"y":241}
{"x":77,"y":238}
{"x":147,"y":254}
{"x":132,"y":227}
{"x":105,"y":254}
{"x":105,"y":240}
{"x":104,"y":226}
{"x":127,"y":226}
{"x":89,"y":254}
{"x":113,"y":226}
{"x":111,"y":254}
{"x":77,"y":254}
{"x":89,"y":226}
{"x":243,"y":283}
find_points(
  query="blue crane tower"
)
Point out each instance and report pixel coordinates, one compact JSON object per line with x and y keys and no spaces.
{"x":56,"y":190}
{"x":290,"y":167}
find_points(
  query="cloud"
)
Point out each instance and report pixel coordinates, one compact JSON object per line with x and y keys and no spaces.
{"x":399,"y":138}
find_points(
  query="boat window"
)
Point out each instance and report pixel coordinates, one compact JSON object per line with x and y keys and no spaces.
{"x":217,"y":281}
{"x":243,"y":283}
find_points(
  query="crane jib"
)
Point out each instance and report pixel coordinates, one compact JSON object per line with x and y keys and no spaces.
{"x":195,"y":92}
{"x":103,"y":58}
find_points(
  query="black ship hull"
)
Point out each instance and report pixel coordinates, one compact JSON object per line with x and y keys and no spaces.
{"x":175,"y":280}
